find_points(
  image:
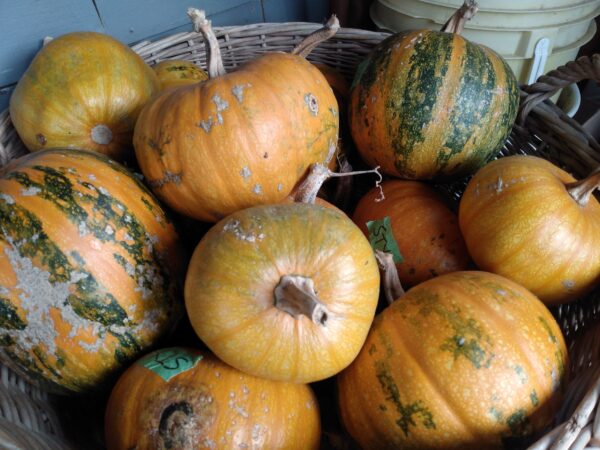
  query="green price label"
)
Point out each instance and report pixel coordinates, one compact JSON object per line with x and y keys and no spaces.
{"x":382,"y":238}
{"x":170,"y":362}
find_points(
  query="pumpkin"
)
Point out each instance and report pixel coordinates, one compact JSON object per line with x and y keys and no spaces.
{"x":82,"y":90}
{"x":239,"y":139}
{"x":184,"y":398}
{"x":285,"y":292}
{"x":178,"y":72}
{"x":414,"y":222}
{"x":430,"y":105}
{"x":90,"y":268}
{"x":466,"y":360}
{"x":528,"y":220}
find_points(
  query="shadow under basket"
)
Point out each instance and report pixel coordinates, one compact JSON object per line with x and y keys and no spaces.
{"x":32,"y":419}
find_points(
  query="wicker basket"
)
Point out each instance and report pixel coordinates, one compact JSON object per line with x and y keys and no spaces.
{"x":30,"y":419}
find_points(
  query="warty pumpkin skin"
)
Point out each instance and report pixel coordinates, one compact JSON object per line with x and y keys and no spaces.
{"x":187,"y":399}
{"x":90,"y":268}
{"x":82,"y":90}
{"x":466,"y":360}
{"x":519,"y":221}
{"x":285,"y":292}
{"x":430,"y":105}
{"x":423,"y":226}
{"x":178,"y":72}
{"x":239,"y":139}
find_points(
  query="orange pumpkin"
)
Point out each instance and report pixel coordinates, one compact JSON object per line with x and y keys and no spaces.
{"x":286,"y":292}
{"x":181,"y":398}
{"x":82,"y":90}
{"x":90,"y":268}
{"x":421,"y":227}
{"x":178,"y":72}
{"x":466,"y":360}
{"x":526,"y":219}
{"x":238,"y":139}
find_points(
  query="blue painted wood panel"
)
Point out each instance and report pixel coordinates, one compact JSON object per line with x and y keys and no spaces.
{"x":296,"y":10}
{"x":25,"y":23}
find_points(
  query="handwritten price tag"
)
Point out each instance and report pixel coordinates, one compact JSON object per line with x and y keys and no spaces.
{"x":170,"y":362}
{"x":382,"y":238}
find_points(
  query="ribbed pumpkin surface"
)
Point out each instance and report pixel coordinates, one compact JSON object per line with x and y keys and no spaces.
{"x":179,"y":398}
{"x":231,"y":283}
{"x":428,"y":104}
{"x":90,"y":267}
{"x":467,"y":360}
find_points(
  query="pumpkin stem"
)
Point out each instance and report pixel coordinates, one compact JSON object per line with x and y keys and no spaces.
{"x":582,"y":190}
{"x":392,"y":287}
{"x":309,"y":43}
{"x":456,"y":23}
{"x":296,"y":295}
{"x":213,"y":56}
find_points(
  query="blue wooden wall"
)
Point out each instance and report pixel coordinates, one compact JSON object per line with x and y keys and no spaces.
{"x":24,"y":23}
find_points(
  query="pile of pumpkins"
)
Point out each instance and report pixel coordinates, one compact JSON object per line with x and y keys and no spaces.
{"x":284,"y":287}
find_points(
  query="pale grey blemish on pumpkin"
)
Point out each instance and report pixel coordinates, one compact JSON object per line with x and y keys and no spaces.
{"x":279,"y":187}
{"x":333,"y":111}
{"x":92,"y":177}
{"x":206,"y":125}
{"x":169,"y":177}
{"x":8,"y":199}
{"x":568,"y":284}
{"x":103,"y":191}
{"x":83,"y":229}
{"x":109,"y":230}
{"x":245,"y":173}
{"x":221,"y":105}
{"x":257,"y":189}
{"x":234,"y":226}
{"x":30,"y":191}
{"x":312,"y":103}
{"x":238,"y":91}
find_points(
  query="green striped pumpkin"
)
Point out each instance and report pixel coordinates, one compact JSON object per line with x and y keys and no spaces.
{"x":431,"y":105}
{"x":90,"y":268}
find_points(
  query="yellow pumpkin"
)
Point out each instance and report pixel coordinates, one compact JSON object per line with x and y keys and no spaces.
{"x":82,"y":90}
{"x":286,"y":292}
{"x":181,"y":398}
{"x":178,"y":72}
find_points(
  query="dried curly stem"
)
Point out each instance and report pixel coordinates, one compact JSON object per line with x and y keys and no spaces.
{"x":315,"y":38}
{"x":392,"y":287}
{"x":202,"y":25}
{"x":456,"y":23}
{"x":582,"y":190}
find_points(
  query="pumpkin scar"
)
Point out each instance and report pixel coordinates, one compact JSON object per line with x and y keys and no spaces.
{"x":169,"y":177}
{"x":312,"y":103}
{"x":238,"y":91}
{"x":245,"y":173}
{"x":221,"y":105}
{"x":234,"y":226}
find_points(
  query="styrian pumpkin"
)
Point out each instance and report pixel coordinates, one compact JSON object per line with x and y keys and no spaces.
{"x":528,"y":220}
{"x":82,"y":90}
{"x":466,"y":360}
{"x":286,"y":292}
{"x":431,"y":105}
{"x":178,"y":72}
{"x":414,"y":222}
{"x":180,"y":398}
{"x":238,"y":139}
{"x":90,"y":268}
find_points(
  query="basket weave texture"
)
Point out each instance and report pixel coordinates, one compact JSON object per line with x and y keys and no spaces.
{"x":30,"y":419}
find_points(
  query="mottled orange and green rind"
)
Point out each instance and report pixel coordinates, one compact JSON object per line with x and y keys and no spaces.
{"x":468,"y":360}
{"x":78,"y":226}
{"x":431,"y":105}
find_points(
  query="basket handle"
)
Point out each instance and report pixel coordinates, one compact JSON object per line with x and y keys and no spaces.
{"x":547,"y":85}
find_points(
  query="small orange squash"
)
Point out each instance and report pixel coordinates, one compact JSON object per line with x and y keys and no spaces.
{"x":82,"y":90}
{"x":419,"y":223}
{"x":239,"y":139}
{"x":528,"y":220}
{"x":90,"y":268}
{"x":178,"y":72}
{"x":466,"y":360}
{"x":286,"y":292}
{"x":180,"y":398}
